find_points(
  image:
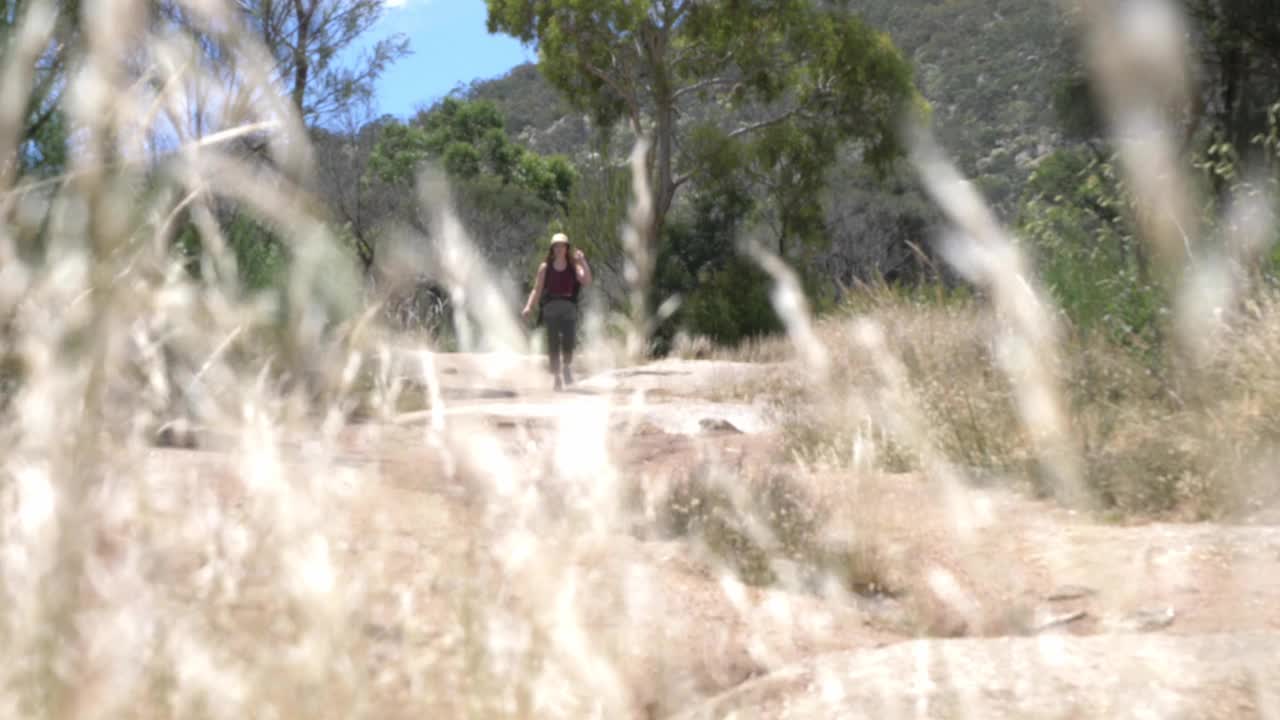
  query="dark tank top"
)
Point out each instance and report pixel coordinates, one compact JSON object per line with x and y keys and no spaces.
{"x":560,"y":283}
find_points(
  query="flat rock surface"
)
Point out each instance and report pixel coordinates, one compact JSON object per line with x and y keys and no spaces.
{"x":679,"y":377}
{"x":1111,"y":676}
{"x":667,"y":396}
{"x":683,"y":417}
{"x":512,"y":372}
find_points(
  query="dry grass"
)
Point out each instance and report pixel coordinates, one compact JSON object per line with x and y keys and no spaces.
{"x":964,"y":400}
{"x":762,"y":349}
{"x":1148,"y":450}
{"x":300,"y":567}
{"x":769,"y":527}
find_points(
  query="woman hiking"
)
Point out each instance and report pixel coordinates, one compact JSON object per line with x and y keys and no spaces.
{"x":556,"y":286}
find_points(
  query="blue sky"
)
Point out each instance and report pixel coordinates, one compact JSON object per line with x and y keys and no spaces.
{"x":450,"y":46}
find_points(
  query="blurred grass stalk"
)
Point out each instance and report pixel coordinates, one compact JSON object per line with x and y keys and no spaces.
{"x":111,"y":342}
{"x":113,"y":339}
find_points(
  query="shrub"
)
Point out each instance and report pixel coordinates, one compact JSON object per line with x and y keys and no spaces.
{"x":732,"y":304}
{"x":1149,"y":448}
{"x":768,"y":528}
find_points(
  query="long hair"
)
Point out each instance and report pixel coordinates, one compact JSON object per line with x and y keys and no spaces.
{"x":568,"y":254}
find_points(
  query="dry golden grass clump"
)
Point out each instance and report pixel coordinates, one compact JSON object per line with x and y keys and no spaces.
{"x":1148,"y":450}
{"x":965,"y":402}
{"x":762,"y":349}
{"x":774,"y":526}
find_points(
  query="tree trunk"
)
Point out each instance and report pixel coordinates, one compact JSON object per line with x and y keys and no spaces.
{"x":664,"y":129}
{"x":301,"y":62}
{"x":300,"y":70}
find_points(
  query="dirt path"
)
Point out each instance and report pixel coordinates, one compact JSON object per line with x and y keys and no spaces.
{"x":993,"y":562}
{"x":504,"y":563}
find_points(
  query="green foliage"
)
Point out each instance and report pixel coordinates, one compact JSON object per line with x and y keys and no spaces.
{"x":261,"y":259}
{"x":1076,"y":107}
{"x":551,"y":178}
{"x":43,"y":126}
{"x":776,"y":181}
{"x":699,"y":241}
{"x":768,"y":94}
{"x":726,"y":296}
{"x":1075,"y":217}
{"x":45,"y":153}
{"x":732,"y":303}
{"x":469,"y":140}
{"x":508,"y":216}
{"x":593,"y":220}
{"x":504,"y":194}
{"x":1239,"y":58}
{"x":399,"y":150}
{"x":804,"y":77}
{"x":524,"y":98}
{"x":262,"y":262}
{"x":308,"y":39}
{"x":790,"y":165}
{"x":991,"y":68}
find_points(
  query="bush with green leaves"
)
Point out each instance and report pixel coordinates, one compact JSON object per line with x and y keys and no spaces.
{"x":1075,"y":218}
{"x":732,"y":304}
{"x":261,"y":260}
{"x":469,"y":140}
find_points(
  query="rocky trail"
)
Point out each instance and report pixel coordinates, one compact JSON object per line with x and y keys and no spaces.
{"x":996,"y":605}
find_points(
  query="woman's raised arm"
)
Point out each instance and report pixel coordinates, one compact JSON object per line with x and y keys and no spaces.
{"x":581,"y":268}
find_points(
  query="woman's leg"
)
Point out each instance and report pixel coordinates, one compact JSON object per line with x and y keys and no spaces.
{"x":553,"y":346}
{"x":568,"y":341}
{"x":554,"y":318}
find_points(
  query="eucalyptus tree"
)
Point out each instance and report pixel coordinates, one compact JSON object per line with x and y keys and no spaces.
{"x":703,"y":79}
{"x":306,"y":38}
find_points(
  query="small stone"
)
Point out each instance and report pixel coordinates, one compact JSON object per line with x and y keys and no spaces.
{"x":383,"y":633}
{"x":1054,"y":621}
{"x":1148,"y":620}
{"x":647,"y":428}
{"x":1071,"y":592}
{"x":717,"y":425}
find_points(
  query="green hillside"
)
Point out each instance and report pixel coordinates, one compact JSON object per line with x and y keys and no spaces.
{"x":1010,"y":105}
{"x":988,"y":67}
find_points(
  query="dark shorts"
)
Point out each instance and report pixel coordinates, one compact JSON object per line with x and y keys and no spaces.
{"x":560,"y":313}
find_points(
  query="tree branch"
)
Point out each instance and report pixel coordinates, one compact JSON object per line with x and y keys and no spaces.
{"x":683,"y":54}
{"x":744,"y":130}
{"x":702,"y":85}
{"x":633,"y":105}
{"x":675,"y":184}
{"x":753,"y":127}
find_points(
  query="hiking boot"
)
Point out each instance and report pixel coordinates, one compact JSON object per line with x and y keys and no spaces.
{"x":568,"y":376}
{"x":559,"y":385}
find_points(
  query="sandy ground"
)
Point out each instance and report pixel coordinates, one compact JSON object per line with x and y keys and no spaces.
{"x":1004,"y":606}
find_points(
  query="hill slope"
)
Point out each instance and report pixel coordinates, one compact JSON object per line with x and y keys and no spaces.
{"x":989,"y":67}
